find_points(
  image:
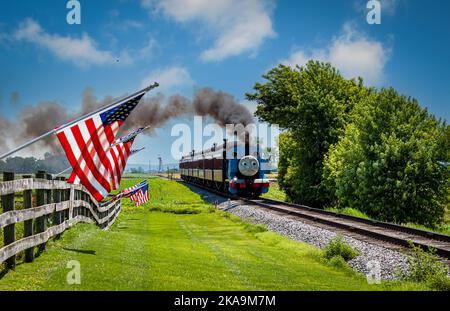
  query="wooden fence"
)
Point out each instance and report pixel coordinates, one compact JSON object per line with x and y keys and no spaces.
{"x":49,"y":207}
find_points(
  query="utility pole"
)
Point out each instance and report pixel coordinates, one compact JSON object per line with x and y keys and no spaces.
{"x":160,"y":169}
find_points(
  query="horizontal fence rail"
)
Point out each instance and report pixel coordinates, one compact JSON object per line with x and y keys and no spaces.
{"x":49,"y":207}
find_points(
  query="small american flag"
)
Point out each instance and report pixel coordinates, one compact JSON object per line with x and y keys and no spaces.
{"x":140,"y":196}
{"x":129,"y":191}
{"x":134,"y":151}
{"x":87,"y":144}
{"x":126,"y":193}
{"x":130,"y":136}
{"x":119,"y":154}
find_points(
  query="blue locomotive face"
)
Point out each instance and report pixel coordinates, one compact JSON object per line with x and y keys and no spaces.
{"x":247,"y":176}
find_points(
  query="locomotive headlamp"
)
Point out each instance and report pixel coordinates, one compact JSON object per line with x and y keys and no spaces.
{"x":248,"y":166}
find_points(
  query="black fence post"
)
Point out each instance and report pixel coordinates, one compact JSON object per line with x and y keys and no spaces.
{"x":57,"y":215}
{"x":28,"y":224}
{"x":91,"y":204}
{"x":68,"y":197}
{"x":40,"y":200}
{"x":9,"y":232}
{"x":65,"y":197}
{"x":48,"y":200}
{"x":83,"y":198}
{"x":85,"y":209}
{"x":76,"y":208}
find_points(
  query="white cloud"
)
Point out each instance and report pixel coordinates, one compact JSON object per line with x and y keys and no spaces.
{"x":352,"y":53}
{"x":237,"y":26}
{"x":169,"y":78}
{"x":148,"y":50}
{"x":388,"y":7}
{"x":129,"y":23}
{"x":81,"y":51}
{"x":297,"y":57}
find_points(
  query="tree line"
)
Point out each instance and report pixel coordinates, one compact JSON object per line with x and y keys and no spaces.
{"x":348,"y":145}
{"x":27,"y":165}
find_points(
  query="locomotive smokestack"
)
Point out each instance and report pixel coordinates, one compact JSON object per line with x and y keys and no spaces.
{"x":224,"y":165}
{"x":224,"y":151}
{"x":247,"y":143}
{"x":235,"y":145}
{"x":257,"y":147}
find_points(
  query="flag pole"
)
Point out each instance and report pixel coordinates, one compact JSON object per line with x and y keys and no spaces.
{"x":137,"y":150}
{"x":26,"y":145}
{"x":7,"y":154}
{"x":62,"y":172}
{"x":121,"y":139}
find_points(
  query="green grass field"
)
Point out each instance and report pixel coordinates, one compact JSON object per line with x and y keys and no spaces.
{"x":179,"y":242}
{"x":275,"y":192}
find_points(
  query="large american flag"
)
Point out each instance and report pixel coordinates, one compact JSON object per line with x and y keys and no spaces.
{"x":118,"y":157}
{"x":87,"y":144}
{"x":140,"y":196}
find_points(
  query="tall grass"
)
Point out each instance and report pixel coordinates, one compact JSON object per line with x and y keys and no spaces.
{"x":348,"y":211}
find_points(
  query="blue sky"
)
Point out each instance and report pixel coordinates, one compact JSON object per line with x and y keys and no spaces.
{"x":123,"y":44}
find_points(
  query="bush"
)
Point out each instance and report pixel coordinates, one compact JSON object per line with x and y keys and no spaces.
{"x":337,"y":246}
{"x":254,"y":228}
{"x":440,"y":282}
{"x":388,"y":164}
{"x":338,"y":262}
{"x":311,"y":102}
{"x":426,"y":267}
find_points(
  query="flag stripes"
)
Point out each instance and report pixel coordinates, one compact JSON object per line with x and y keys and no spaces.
{"x":140,"y":196}
{"x":118,"y":158}
{"x":128,"y":192}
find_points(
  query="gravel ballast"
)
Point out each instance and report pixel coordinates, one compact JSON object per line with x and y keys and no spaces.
{"x":389,"y":260}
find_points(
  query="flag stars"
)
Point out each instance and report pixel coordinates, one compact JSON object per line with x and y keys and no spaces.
{"x":121,"y":112}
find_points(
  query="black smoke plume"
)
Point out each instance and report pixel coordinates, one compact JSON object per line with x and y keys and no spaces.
{"x":153,"y":111}
{"x":221,"y":106}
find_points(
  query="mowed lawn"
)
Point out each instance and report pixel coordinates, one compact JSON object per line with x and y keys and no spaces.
{"x":178,"y":242}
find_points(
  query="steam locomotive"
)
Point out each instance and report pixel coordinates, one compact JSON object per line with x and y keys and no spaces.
{"x":236,"y":168}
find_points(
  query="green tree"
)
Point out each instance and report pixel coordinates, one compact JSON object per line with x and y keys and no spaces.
{"x":286,"y":148}
{"x":312,"y":103}
{"x":389,"y":162}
